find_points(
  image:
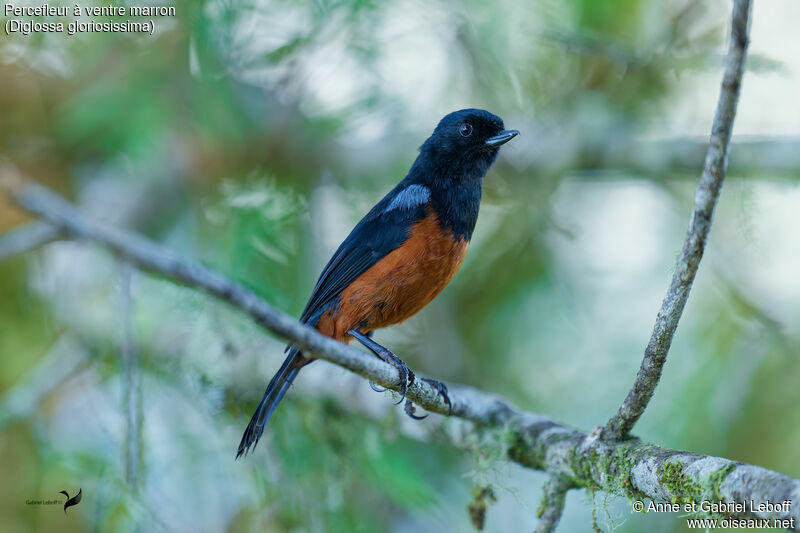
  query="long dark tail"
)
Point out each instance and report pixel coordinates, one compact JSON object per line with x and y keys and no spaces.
{"x":276,"y":389}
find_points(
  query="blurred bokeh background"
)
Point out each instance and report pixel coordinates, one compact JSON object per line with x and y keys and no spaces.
{"x":252,"y":135}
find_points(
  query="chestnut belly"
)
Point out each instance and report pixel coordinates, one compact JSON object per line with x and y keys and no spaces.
{"x":400,"y":284}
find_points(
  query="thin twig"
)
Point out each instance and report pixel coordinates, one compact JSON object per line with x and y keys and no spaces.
{"x":628,"y":467}
{"x":708,"y":190}
{"x":26,"y":238}
{"x":552,"y":504}
{"x":132,"y":399}
{"x":63,"y":360}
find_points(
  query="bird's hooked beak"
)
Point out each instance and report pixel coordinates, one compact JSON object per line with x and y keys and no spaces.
{"x":502,"y":137}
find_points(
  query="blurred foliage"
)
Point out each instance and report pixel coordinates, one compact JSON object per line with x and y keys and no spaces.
{"x":253,"y":135}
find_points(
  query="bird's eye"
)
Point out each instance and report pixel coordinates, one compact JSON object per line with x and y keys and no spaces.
{"x":465,"y":130}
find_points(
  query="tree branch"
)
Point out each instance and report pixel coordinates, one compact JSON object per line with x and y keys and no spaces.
{"x":552,"y":504}
{"x":26,"y":238}
{"x":629,"y":467}
{"x":655,"y":355}
{"x":149,"y":256}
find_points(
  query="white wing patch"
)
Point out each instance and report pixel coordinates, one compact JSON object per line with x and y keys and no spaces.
{"x":410,"y":197}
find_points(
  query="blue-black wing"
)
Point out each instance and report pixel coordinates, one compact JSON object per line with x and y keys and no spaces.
{"x":380,"y":232}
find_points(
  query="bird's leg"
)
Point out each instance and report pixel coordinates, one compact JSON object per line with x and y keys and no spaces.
{"x":406,"y":375}
{"x":372,"y":384}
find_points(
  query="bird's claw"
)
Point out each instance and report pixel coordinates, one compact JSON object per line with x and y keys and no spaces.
{"x":441,"y":388}
{"x":406,"y":375}
{"x":376,"y":388}
{"x":410,"y":409}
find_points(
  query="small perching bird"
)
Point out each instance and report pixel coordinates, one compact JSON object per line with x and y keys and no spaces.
{"x":401,"y":254}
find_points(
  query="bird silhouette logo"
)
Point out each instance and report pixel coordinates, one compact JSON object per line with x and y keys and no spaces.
{"x":75,"y":500}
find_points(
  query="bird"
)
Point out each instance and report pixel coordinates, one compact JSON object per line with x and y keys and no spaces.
{"x":401,"y":255}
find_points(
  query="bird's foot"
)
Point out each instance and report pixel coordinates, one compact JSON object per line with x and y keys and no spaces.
{"x":441,"y":388}
{"x":406,"y":375}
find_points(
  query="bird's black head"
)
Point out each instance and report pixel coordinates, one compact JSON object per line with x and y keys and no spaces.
{"x":465,"y":144}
